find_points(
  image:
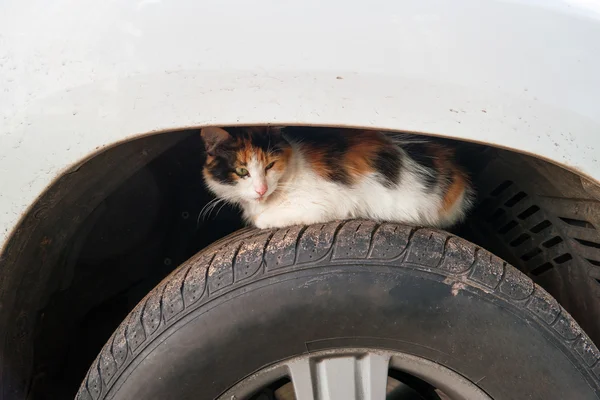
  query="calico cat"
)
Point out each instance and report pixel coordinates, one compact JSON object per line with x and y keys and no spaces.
{"x":300,"y":176}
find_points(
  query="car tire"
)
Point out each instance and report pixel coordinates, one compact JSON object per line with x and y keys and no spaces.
{"x":262,"y":296}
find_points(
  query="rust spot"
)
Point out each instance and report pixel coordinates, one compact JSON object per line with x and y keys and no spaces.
{"x":45,"y":241}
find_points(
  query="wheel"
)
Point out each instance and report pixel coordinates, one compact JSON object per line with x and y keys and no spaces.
{"x":346,"y":310}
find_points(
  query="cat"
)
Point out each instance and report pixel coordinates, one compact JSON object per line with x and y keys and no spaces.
{"x":300,"y":176}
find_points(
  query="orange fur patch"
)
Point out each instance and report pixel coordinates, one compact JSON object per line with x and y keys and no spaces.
{"x":247,"y":151}
{"x":454,"y":191}
{"x":357,"y":161}
{"x":443,"y":158}
{"x":316,"y":158}
{"x":443,"y":161}
{"x":364,"y":146}
{"x":281,"y":159}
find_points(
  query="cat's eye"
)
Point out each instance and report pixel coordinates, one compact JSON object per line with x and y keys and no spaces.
{"x":241,"y":171}
{"x":268,"y":167}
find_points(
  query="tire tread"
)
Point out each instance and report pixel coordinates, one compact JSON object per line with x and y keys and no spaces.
{"x":268,"y":252}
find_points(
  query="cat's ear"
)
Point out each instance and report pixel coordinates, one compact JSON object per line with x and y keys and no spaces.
{"x":213,"y":137}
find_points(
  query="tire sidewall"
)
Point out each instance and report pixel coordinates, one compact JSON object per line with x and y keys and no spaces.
{"x":407,"y":310}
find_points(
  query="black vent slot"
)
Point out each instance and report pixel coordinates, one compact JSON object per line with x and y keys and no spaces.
{"x":577,"y":222}
{"x":501,"y":188}
{"x":515,"y":199}
{"x":529,"y":212}
{"x":587,"y":243}
{"x":542,"y":268}
{"x":541,"y":226}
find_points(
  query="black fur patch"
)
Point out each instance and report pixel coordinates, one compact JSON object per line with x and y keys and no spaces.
{"x":388,"y":163}
{"x":267,"y":142}
{"x":418,"y":152}
{"x":221,"y":167}
{"x":333,"y":142}
{"x":260,"y":141}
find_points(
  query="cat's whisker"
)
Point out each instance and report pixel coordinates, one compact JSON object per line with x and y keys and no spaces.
{"x":207,"y":209}
{"x":220,"y":208}
{"x":208,"y":205}
{"x":201,"y":212}
{"x":222,"y":203}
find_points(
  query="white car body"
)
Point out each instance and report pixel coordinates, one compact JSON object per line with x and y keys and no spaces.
{"x":78,"y":76}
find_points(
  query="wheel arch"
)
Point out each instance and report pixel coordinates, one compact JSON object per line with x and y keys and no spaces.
{"x":47,"y":227}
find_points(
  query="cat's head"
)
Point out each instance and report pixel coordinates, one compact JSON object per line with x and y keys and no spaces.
{"x":245,"y":164}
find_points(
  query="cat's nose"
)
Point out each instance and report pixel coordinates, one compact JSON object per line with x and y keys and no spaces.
{"x":261,"y":190}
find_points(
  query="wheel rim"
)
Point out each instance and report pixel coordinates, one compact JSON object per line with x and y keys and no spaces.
{"x":355,"y":374}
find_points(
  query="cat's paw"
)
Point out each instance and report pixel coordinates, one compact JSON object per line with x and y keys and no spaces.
{"x":261,"y":222}
{"x":267,"y":221}
{"x":262,"y":225}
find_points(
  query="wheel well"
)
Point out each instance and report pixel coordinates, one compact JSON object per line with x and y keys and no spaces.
{"x":544,"y":220}
{"x":108,"y":231}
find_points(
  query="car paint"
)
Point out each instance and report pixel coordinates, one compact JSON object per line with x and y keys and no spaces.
{"x":78,"y":76}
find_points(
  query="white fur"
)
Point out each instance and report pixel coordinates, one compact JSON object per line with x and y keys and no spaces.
{"x":299,"y":196}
